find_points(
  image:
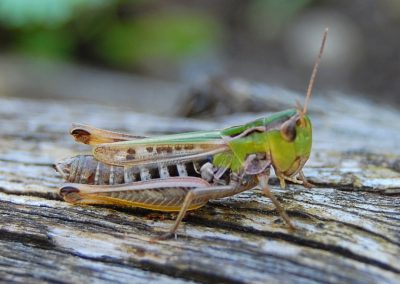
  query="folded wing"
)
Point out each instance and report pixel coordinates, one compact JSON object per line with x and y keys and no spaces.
{"x":90,"y":135}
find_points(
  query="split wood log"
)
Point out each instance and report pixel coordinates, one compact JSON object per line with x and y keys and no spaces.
{"x":348,"y":225}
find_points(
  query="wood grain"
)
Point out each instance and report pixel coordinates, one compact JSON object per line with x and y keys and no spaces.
{"x":348,"y":225}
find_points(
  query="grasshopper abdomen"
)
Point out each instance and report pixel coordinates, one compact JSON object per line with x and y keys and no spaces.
{"x":85,"y":169}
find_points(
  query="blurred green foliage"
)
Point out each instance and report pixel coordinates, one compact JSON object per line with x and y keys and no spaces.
{"x":45,"y":43}
{"x":116,"y":33}
{"x":171,"y":35}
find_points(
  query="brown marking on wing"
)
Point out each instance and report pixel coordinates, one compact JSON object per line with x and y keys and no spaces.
{"x":204,"y":146}
{"x":167,"y":149}
{"x":93,"y":136}
{"x":131,"y":151}
{"x":149,"y":149}
{"x":117,"y":153}
{"x":81,"y":135}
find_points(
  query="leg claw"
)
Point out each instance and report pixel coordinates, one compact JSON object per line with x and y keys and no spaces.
{"x":163,"y":237}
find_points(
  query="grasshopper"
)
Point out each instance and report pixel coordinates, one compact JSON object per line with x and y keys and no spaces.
{"x":182,"y":172}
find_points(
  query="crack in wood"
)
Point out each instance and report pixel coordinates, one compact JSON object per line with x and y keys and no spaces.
{"x":293,"y":239}
{"x":27,"y":239}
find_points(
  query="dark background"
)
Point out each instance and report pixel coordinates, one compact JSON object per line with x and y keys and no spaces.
{"x":91,"y":42}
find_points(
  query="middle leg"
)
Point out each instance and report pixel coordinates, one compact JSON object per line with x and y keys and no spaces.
{"x":200,"y":195}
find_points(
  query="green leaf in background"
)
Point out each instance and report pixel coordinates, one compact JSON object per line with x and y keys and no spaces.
{"x":164,"y":35}
{"x":19,"y":13}
{"x":57,"y":44}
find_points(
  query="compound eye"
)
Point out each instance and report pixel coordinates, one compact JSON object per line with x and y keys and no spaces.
{"x":288,"y":130}
{"x":301,"y":122}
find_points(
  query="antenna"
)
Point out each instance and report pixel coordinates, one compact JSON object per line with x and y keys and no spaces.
{"x":314,"y":74}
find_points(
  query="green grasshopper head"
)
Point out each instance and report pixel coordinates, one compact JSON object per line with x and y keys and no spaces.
{"x":290,"y":146}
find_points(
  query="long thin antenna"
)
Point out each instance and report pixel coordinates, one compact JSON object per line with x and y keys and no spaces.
{"x":314,"y":72}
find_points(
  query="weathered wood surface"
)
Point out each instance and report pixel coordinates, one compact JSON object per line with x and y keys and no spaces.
{"x":348,"y":225}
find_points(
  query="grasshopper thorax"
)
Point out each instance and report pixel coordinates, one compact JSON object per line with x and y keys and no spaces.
{"x":284,"y":139}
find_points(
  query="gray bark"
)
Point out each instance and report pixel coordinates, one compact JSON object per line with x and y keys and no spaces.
{"x":348,"y":225}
